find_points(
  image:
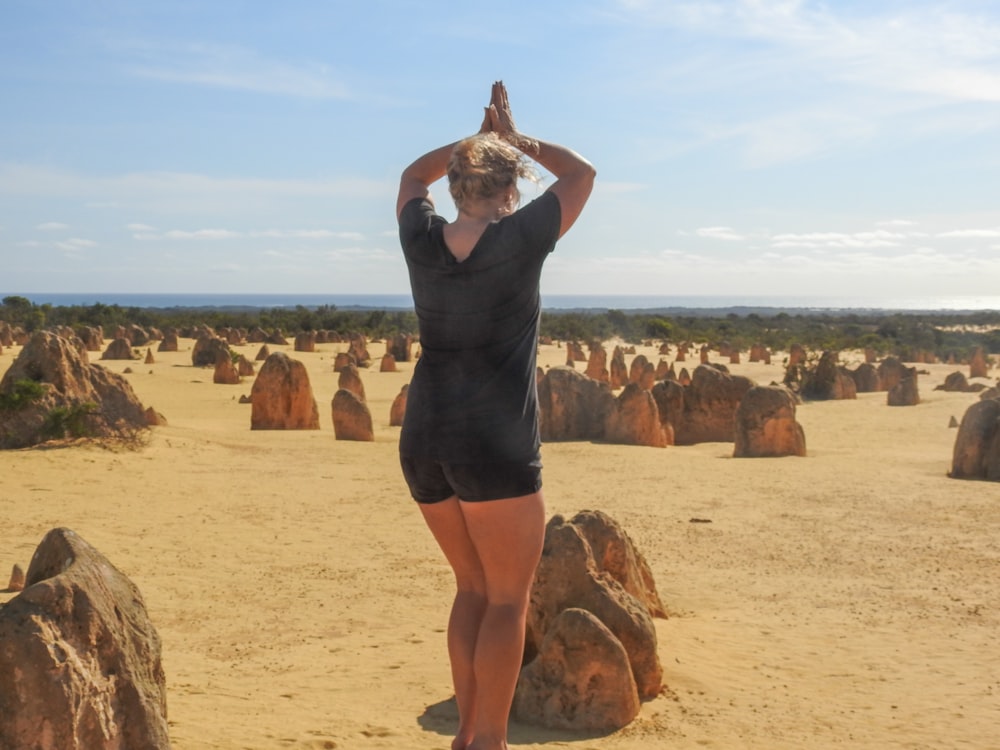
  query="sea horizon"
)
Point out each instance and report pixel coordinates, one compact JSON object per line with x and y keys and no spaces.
{"x":551,"y":302}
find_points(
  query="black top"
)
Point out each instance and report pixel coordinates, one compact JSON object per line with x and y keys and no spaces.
{"x":473,"y":396}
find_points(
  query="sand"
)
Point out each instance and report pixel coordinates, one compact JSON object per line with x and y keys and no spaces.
{"x":850,"y":598}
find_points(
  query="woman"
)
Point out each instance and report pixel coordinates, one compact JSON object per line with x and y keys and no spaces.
{"x":469,"y":446}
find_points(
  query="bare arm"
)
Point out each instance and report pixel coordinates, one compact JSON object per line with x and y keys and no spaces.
{"x":574,"y":174}
{"x":417,"y":178}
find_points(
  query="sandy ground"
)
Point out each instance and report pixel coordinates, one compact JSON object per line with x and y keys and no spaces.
{"x":847,"y":599}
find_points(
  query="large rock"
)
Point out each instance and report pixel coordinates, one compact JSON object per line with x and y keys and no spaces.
{"x":168,"y":343}
{"x":52,"y":391}
{"x":710,"y":404}
{"x":890,"y":372}
{"x":977,"y":446}
{"x":208,"y":349}
{"x":766,"y":425}
{"x":568,"y":577}
{"x":581,"y":678}
{"x":572,"y":406}
{"x":597,"y":365}
{"x":350,"y":380}
{"x":905,"y":392}
{"x":398,"y":409}
{"x":118,"y":349}
{"x":305,"y":341}
{"x":401,"y":347}
{"x":352,"y":419}
{"x":828,"y":381}
{"x":635,"y":420}
{"x":978,"y":366}
{"x":282,"y":397}
{"x":866,"y":379}
{"x":80,"y":664}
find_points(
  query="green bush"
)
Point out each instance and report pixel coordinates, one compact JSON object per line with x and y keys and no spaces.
{"x":25,"y":392}
{"x":68,"y":421}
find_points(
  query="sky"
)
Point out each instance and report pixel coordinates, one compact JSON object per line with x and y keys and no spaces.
{"x":743,"y":147}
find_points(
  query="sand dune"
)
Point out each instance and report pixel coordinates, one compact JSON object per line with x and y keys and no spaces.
{"x":850,"y":598}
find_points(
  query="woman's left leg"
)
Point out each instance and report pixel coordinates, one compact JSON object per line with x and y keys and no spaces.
{"x":447,"y":524}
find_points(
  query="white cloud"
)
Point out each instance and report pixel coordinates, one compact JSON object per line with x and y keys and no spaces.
{"x":140,"y":228}
{"x":202,"y":234}
{"x":233,"y":67}
{"x":979,"y":233}
{"x":719,"y":233}
{"x":230,"y":234}
{"x":52,"y":226}
{"x":75,"y":244}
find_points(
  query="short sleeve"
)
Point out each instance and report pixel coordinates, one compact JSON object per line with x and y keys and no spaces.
{"x":416,"y":219}
{"x":539,"y":221}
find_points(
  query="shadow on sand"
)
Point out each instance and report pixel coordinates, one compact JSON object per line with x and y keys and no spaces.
{"x":442,"y":718}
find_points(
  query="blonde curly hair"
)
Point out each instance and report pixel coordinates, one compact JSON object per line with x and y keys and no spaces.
{"x":483,"y":166}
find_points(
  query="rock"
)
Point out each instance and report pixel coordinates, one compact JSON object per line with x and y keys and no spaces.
{"x":573,"y":406}
{"x":581,"y":678}
{"x":281,"y":397}
{"x":118,"y":349}
{"x":80,"y":663}
{"x":574,"y":352}
{"x":597,"y":365}
{"x":244,"y":367}
{"x":225,"y":371}
{"x":710,"y":403}
{"x":398,"y":409}
{"x":351,"y":418}
{"x":890,"y":372}
{"x":168,"y":343}
{"x":305,"y":341}
{"x":400,"y":348}
{"x":257,"y":335}
{"x":978,"y":366}
{"x":92,"y":337}
{"x":154,"y":418}
{"x":350,"y":380}
{"x":567,"y":577}
{"x":637,"y":370}
{"x":905,"y":392}
{"x":952,"y":423}
{"x":277,"y":338}
{"x":828,"y":381}
{"x":635,"y":420}
{"x":359,"y":349}
{"x":16,"y":578}
{"x":617,"y":373}
{"x":342,"y":360}
{"x":52,"y":391}
{"x":977,"y":446}
{"x":388,"y":363}
{"x":866,"y":378}
{"x":149,"y":357}
{"x":766,"y":426}
{"x":954,"y":382}
{"x":208,"y":349}
{"x":616,"y":554}
{"x":263,"y":353}
{"x":796,"y":355}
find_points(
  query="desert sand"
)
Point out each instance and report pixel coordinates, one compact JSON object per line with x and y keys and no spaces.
{"x":850,"y":598}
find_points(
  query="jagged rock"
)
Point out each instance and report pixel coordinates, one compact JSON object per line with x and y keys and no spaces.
{"x":342,"y":360}
{"x":567,"y":577}
{"x":635,"y":419}
{"x":359,"y":350}
{"x":617,"y":372}
{"x":828,"y":381}
{"x":978,"y":366}
{"x":351,"y":418}
{"x":977,"y":445}
{"x":154,"y":418}
{"x":866,"y":378}
{"x":305,"y":341}
{"x":597,"y":364}
{"x":118,"y":349}
{"x":400,"y":348}
{"x":766,"y":426}
{"x":225,"y":371}
{"x":52,"y":391}
{"x":150,"y":360}
{"x":398,"y":409}
{"x":581,"y":678}
{"x":905,"y":392}
{"x":208,"y":349}
{"x":16,"y":578}
{"x":244,"y":367}
{"x":710,"y":404}
{"x":80,"y":662}
{"x":263,"y":353}
{"x":350,"y":380}
{"x":168,"y":343}
{"x":572,"y":406}
{"x":281,"y":397}
{"x":277,"y":338}
{"x":890,"y":372}
{"x":388,"y":363}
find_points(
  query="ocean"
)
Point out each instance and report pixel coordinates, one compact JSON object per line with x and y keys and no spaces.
{"x":740,"y":304}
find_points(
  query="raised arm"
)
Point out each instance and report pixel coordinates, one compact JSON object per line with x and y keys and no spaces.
{"x":574,"y":174}
{"x":417,"y":178}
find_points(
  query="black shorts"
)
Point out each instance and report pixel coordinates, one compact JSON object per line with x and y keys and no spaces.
{"x":432,"y":481}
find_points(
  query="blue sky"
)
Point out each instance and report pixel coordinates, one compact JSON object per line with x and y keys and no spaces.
{"x":742,"y":147}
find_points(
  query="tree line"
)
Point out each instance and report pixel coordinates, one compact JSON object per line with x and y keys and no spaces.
{"x":942,"y":334}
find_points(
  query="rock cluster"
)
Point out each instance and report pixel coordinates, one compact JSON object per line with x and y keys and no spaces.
{"x":591,"y":649}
